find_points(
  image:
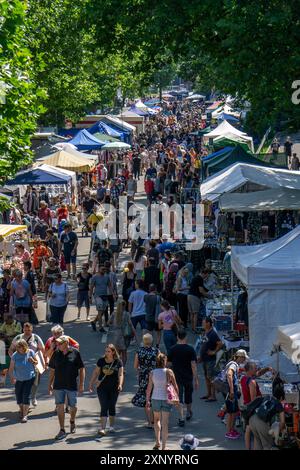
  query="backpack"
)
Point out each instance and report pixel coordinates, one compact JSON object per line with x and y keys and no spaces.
{"x":251,"y":408}
{"x":267,"y":409}
{"x":220,"y":382}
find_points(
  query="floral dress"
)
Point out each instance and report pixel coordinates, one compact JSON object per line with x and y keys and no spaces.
{"x":147,"y":362}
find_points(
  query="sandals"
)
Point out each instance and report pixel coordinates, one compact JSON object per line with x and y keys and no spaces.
{"x":156,"y":447}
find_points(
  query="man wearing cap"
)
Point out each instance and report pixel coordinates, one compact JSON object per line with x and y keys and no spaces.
{"x":64,"y":366}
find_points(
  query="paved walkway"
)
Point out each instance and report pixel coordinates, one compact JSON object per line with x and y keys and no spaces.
{"x":131,"y":433}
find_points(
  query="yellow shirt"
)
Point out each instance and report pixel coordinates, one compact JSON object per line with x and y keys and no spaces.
{"x":95,"y":218}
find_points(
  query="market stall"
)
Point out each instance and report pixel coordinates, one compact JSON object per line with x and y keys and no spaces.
{"x":8,"y":235}
{"x":271,"y":273}
{"x":86,"y":141}
{"x":67,"y":161}
{"x":223,"y":130}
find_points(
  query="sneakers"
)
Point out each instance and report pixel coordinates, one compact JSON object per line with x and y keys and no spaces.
{"x":24,"y":419}
{"x":181,"y":423}
{"x":87,"y":318}
{"x":101,"y":432}
{"x":34,"y":402}
{"x":232,"y":435}
{"x":61,"y":435}
{"x":189,"y":416}
{"x":111,"y":429}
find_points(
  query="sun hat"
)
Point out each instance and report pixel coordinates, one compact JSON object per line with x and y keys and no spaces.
{"x":189,"y":442}
{"x":242,"y":353}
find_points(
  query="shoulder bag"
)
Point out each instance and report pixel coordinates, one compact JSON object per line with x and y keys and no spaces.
{"x":172,"y":395}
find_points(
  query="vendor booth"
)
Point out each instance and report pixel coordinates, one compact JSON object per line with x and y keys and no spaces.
{"x":243,"y":177}
{"x":223,"y":130}
{"x":86,"y":141}
{"x":226,"y":157}
{"x":269,"y":200}
{"x":38,"y":176}
{"x":134,"y":119}
{"x":271,"y":273}
{"x":103,"y":128}
{"x":8,"y":235}
{"x":66,"y":160}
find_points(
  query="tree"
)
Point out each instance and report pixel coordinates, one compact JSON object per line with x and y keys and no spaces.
{"x":19,"y":106}
{"x":240,"y":46}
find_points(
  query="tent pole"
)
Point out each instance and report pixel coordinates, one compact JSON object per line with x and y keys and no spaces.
{"x":231,"y":288}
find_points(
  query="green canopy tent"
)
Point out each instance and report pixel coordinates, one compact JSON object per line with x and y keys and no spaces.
{"x":213,"y":164}
{"x":220,"y":142}
{"x":105,"y":137}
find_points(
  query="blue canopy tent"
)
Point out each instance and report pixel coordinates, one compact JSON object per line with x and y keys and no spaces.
{"x":126,"y":133}
{"x":228,"y":117}
{"x":68,"y":132}
{"x":104,"y":128}
{"x":38,"y":176}
{"x":86,"y":141}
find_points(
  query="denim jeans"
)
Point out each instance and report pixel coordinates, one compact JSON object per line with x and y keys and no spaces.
{"x":169,"y":340}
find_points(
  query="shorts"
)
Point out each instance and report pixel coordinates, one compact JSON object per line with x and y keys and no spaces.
{"x":69,"y":259}
{"x":194,"y":304}
{"x":139,"y":319}
{"x":152,"y":326}
{"x":60,"y":397}
{"x":101,"y":303}
{"x":232,"y":406}
{"x":160,"y":405}
{"x":83,"y":298}
{"x":209,"y":368}
{"x":185,"y":392}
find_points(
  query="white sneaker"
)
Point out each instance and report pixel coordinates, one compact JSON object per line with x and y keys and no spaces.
{"x":24,"y":419}
{"x":34,"y":402}
{"x":111,"y":429}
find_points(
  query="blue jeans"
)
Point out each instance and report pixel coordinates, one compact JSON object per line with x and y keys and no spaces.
{"x":57,"y":314}
{"x":169,"y":340}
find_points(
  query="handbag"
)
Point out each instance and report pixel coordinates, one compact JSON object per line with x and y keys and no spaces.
{"x":172,"y":395}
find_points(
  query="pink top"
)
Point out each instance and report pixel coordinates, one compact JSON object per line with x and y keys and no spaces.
{"x":168,"y":319}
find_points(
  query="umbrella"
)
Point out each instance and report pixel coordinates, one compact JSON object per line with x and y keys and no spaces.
{"x":116,"y":146}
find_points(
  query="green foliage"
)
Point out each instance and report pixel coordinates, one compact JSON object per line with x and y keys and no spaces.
{"x":19,"y":104}
{"x":237,"y":46}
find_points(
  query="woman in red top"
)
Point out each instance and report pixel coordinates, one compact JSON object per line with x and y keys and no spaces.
{"x":62,"y":213}
{"x":44,"y":213}
{"x":250,"y":391}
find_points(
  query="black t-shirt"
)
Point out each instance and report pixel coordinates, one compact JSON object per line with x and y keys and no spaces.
{"x":195,"y":284}
{"x":109,"y":373}
{"x":153,"y":253}
{"x":83,"y":284}
{"x":66,"y":368}
{"x":152,"y":276}
{"x":68,"y":240}
{"x":88,"y":205}
{"x":181,"y":356}
{"x":136,"y":162}
{"x":104,"y":254}
{"x":210,"y":344}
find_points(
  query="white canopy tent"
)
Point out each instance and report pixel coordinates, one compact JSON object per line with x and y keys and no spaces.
{"x":70,"y":148}
{"x":289,"y":341}
{"x":238,"y":174}
{"x":269,"y":200}
{"x":271,"y":273}
{"x":225,"y":130}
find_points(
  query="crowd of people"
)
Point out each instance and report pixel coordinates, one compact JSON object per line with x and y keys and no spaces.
{"x":162,"y":295}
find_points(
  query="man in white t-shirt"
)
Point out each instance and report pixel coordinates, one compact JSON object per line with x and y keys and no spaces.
{"x":137,"y":307}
